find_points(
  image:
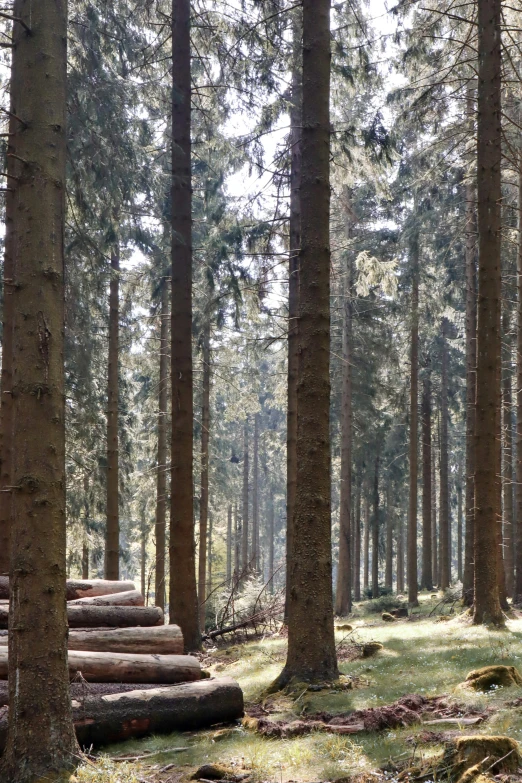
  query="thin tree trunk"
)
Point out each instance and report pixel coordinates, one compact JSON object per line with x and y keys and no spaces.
{"x":210,"y":553}
{"x":517,"y":593}
{"x":41,"y":737}
{"x":427,"y":558}
{"x":271,"y":538}
{"x":375,"y":533}
{"x":434,"y":529}
{"x":459,"y":530}
{"x":400,"y":555}
{"x":85,"y":546}
{"x":203,"y":502}
{"x":343,"y":601}
{"x":357,"y":545}
{"x":444,"y":478}
{"x":229,"y":544}
{"x":366,"y":574}
{"x":311,"y":640}
{"x":255,"y":498}
{"x":237,"y":542}
{"x":388,"y":581}
{"x":85,"y":560}
{"x":414,"y":417}
{"x":244,"y":521}
{"x":507,"y":472}
{"x":183,"y":589}
{"x":112,"y":544}
{"x":489,"y":195}
{"x":471,"y":378}
{"x":143,"y":558}
{"x":161,"y":476}
{"x":293,"y":289}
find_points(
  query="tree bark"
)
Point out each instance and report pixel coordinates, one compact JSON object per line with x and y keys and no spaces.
{"x":41,"y":737}
{"x":85,"y":560}
{"x":366,"y":575}
{"x":184,"y":610}
{"x":112,"y":544}
{"x":203,"y":502}
{"x":517,"y":592}
{"x":161,"y":475}
{"x":357,"y":545}
{"x":414,"y":416}
{"x":255,"y":499}
{"x":459,"y":530}
{"x":244,"y":520}
{"x":434,"y":530}
{"x":489,"y":193}
{"x":444,"y":522}
{"x":130,"y":598}
{"x":375,"y":533}
{"x":427,"y":574}
{"x":98,"y":616}
{"x":311,"y":640}
{"x":271,"y":538}
{"x":161,"y":640}
{"x":507,"y":472}
{"x":229,"y":544}
{"x":388,"y":581}
{"x":400,"y":555}
{"x":237,"y":541}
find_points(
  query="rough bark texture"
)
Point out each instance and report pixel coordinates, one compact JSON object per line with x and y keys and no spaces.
{"x":130,"y":598}
{"x":357,"y":546}
{"x":366,"y":574}
{"x":434,"y":530}
{"x":161,"y":467}
{"x":427,"y":574}
{"x":471,"y":380}
{"x":271,"y":537}
{"x":507,"y":467}
{"x":229,"y":544}
{"x":104,"y":616}
{"x":91,"y":588}
{"x":255,"y":499}
{"x":41,"y":736}
{"x":311,"y":642}
{"x":203,"y":500}
{"x":244,"y":521}
{"x":388,"y":577}
{"x":343,"y":599}
{"x":293,"y":289}
{"x":112,"y":535}
{"x":488,"y":485}
{"x":400,"y":555}
{"x":444,"y":521}
{"x":414,"y":426}
{"x":375,"y":533}
{"x":517,"y":592}
{"x":459,"y":530}
{"x":237,"y":541}
{"x":167,"y":640}
{"x":183,"y":589}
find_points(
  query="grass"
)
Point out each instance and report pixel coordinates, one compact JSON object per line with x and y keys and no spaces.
{"x":424,"y":656}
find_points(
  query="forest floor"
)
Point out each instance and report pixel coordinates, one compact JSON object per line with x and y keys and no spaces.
{"x":423,"y":655}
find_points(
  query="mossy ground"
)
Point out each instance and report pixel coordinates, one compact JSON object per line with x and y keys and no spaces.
{"x":421,"y":656}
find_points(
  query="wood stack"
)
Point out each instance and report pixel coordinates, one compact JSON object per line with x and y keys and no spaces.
{"x":117,"y":639}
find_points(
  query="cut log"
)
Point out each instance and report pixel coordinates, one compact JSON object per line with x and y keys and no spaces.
{"x":124,"y":667}
{"x":105,"y":616}
{"x":101,"y":720}
{"x":129,"y":598}
{"x":81,"y":588}
{"x":160,"y":640}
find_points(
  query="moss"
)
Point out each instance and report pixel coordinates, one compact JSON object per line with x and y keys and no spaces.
{"x":212,"y":772}
{"x":371,"y":648}
{"x":345,"y":627}
{"x":472,"y":756}
{"x":388,"y":618}
{"x":491,"y":677}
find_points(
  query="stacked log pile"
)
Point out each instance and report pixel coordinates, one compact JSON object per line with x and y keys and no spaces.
{"x":116,"y":639}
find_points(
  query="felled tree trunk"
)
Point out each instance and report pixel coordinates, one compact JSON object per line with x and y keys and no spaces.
{"x":80,"y":588}
{"x":130,"y":598}
{"x":109,"y":616}
{"x":163,"y":640}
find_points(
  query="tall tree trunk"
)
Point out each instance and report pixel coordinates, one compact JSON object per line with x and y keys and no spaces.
{"x":444,"y":478}
{"x":427,"y":574}
{"x":203,"y":502}
{"x":400,"y":554}
{"x":311,"y":641}
{"x":244,"y":521}
{"x":517,"y":592}
{"x":143,"y":557}
{"x":489,"y":196}
{"x":183,"y":589}
{"x":366,"y":574}
{"x":388,"y":579}
{"x":357,"y":545}
{"x":85,"y":546}
{"x":229,"y":543}
{"x":255,"y":498}
{"x":375,"y":533}
{"x":507,"y":472}
{"x":237,"y":542}
{"x":210,"y":554}
{"x":161,"y":475}
{"x":112,"y":543}
{"x":343,"y":601}
{"x":414,"y":418}
{"x":271,"y":538}
{"x":293,"y":289}
{"x":434,"y":530}
{"x":471,"y":378}
{"x":41,"y":736}
{"x":459,"y":529}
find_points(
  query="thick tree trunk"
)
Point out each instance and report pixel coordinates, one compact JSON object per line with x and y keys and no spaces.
{"x":255,"y":499}
{"x":343,"y":601}
{"x":375,"y":533}
{"x":229,"y":544}
{"x":183,"y":603}
{"x":414,"y":418}
{"x":471,"y":380}
{"x":517,"y":592}
{"x":164,"y":640}
{"x":427,"y":574}
{"x":311,"y":640}
{"x":489,"y":192}
{"x":357,"y":546}
{"x":41,"y":736}
{"x":99,"y":616}
{"x":507,"y":471}
{"x":444,"y":521}
{"x":388,"y":579}
{"x":112,"y":542}
{"x":161,"y":468}
{"x":130,"y":598}
{"x":293,"y":289}
{"x":244,"y":520}
{"x":366,"y":574}
{"x":203,"y":501}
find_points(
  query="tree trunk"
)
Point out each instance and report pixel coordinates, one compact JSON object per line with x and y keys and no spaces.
{"x":163,"y":640}
{"x":209,"y":548}
{"x":444,"y":523}
{"x":489,"y":195}
{"x":343,"y":602}
{"x":471,"y":379}
{"x":427,"y":574}
{"x":507,"y":471}
{"x":184,"y":610}
{"x":203,"y":502}
{"x":161,"y":476}
{"x":414,"y":416}
{"x":293,"y":289}
{"x":255,"y":499}
{"x":85,"y":588}
{"x":311,"y":640}
{"x":400,"y":555}
{"x":459,"y":530}
{"x":357,"y":546}
{"x":375,"y":533}
{"x":366,"y":575}
{"x":271,"y":538}
{"x":85,"y":560}
{"x":434,"y":531}
{"x":130,"y":598}
{"x":237,"y":542}
{"x":517,"y":592}
{"x":41,"y":736}
{"x":143,"y":564}
{"x":229,"y":544}
{"x":244,"y":521}
{"x":388,"y":581}
{"x":112,"y":544}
